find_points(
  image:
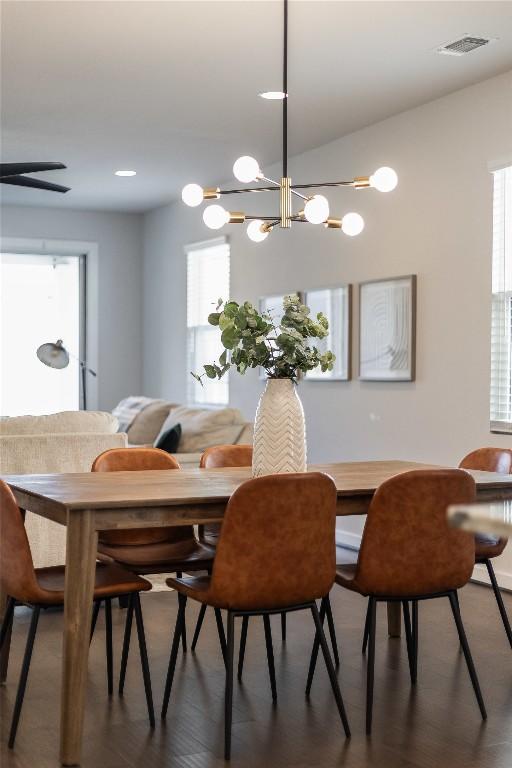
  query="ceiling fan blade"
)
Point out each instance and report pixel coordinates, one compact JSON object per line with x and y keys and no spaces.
{"x":14,"y":169}
{"x":25,"y":181}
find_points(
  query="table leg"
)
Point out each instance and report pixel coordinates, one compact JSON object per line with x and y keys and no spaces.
{"x":394,"y":619}
{"x":81,"y":548}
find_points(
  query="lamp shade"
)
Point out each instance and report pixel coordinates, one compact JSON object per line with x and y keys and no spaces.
{"x":55,"y":355}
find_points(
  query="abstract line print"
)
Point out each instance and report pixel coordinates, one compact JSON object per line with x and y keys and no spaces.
{"x":387,"y":330}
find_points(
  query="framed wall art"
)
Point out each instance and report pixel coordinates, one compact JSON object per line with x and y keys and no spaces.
{"x":336,"y":305}
{"x":387,"y":329}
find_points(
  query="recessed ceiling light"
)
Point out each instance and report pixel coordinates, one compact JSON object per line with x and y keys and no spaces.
{"x":126,"y":173}
{"x":273,"y":95}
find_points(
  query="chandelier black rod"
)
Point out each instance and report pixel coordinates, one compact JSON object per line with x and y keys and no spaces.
{"x":293,"y":187}
{"x":253,"y":217}
{"x":285,"y":90}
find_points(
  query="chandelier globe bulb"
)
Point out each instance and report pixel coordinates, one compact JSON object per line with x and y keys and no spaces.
{"x":316,"y":209}
{"x":192,"y":195}
{"x":215,"y":216}
{"x":246,"y":169}
{"x":384,"y":179}
{"x":352,"y":224}
{"x":255,"y":233}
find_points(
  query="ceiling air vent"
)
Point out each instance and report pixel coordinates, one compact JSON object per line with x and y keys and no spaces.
{"x":465,"y":45}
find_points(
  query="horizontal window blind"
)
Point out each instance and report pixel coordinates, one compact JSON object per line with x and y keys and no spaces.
{"x":501,"y":324}
{"x":207,"y":281}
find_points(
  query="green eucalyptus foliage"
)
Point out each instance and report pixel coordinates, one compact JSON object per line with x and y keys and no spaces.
{"x":251,"y":339}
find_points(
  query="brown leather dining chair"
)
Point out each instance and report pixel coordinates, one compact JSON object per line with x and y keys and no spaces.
{"x":271,"y":524}
{"x":172,"y":549}
{"x":44,"y":587}
{"x":219,"y":456}
{"x":409,"y":553}
{"x":489,"y":547}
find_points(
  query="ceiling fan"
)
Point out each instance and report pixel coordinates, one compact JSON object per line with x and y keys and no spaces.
{"x":12,"y":173}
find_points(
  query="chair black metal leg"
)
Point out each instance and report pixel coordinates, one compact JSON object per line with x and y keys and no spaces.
{"x":372,"y":624}
{"x":499,"y":600}
{"x":270,"y":655}
{"x":108,"y":643}
{"x":24,"y":675}
{"x":184,"y":635}
{"x":179,"y":575}
{"x":199,"y":624}
{"x":126,"y":644}
{"x":135,"y":602}
{"x":314,"y":652}
{"x":243,"y":641}
{"x":5,"y":639}
{"x":330,"y":668}
{"x":228,"y":701}
{"x":7,"y":621}
{"x":283,"y":627}
{"x":182,"y":601}
{"x":408,"y":639}
{"x":366,"y":629}
{"x":220,"y":630}
{"x":332,"y":631}
{"x":123,"y":601}
{"x":467,"y":654}
{"x":95,"y":611}
{"x":415,"y":640}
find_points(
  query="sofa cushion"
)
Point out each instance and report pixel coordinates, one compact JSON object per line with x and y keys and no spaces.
{"x":204,"y":427}
{"x":65,"y":422}
{"x":147,"y":425}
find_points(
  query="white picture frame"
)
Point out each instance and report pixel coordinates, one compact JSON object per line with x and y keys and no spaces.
{"x":336,"y":304}
{"x":387,"y":329}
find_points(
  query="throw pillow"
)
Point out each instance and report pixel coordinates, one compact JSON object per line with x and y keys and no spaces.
{"x":196,"y":421}
{"x":147,"y":425}
{"x":169,"y":441}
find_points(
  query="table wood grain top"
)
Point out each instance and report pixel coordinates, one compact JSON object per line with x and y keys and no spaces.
{"x":108,"y":490}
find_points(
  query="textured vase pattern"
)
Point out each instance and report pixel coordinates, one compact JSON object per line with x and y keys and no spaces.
{"x":279,"y":430}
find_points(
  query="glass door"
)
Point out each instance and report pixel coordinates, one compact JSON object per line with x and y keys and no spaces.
{"x":41,"y":300}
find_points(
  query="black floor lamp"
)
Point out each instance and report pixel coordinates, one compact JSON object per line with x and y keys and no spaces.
{"x":55,"y":355}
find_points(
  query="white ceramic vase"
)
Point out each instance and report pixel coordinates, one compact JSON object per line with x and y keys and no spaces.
{"x":279,"y":430}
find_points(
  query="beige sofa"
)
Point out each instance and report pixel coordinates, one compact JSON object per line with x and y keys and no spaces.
{"x":200,"y":428}
{"x":61,"y":442}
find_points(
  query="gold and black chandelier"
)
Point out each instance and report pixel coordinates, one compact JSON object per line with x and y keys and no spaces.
{"x":314,"y":207}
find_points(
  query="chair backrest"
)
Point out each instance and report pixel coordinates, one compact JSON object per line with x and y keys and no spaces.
{"x":489,"y":460}
{"x":216,"y":457}
{"x":17,"y":575}
{"x":226,"y":456}
{"x":139,"y":459}
{"x":407,"y":546}
{"x":127,"y":459}
{"x":277,"y":545}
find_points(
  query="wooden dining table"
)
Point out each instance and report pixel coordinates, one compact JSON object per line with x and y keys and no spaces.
{"x":90,"y":502}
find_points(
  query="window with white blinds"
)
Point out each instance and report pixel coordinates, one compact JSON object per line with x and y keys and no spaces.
{"x":207,"y":281}
{"x":501,"y":327}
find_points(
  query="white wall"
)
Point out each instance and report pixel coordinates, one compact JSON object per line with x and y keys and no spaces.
{"x":118,"y":285}
{"x":437,"y":224}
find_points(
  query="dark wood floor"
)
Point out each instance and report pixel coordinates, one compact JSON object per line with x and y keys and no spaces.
{"x":436,"y":726}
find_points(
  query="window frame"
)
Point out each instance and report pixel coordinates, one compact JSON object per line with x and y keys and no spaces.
{"x":191,"y":383}
{"x":504,"y":294}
